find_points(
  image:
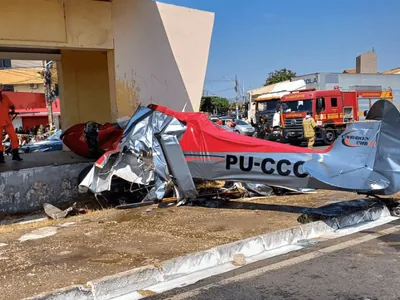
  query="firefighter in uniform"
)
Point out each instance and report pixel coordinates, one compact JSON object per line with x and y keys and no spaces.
{"x":6,"y":123}
{"x":309,"y":130}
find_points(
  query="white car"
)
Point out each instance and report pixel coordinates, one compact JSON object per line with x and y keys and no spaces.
{"x":242,"y":127}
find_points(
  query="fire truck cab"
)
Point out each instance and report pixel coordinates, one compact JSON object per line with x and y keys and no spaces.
{"x":332,"y":110}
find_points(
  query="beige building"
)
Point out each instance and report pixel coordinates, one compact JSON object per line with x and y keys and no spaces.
{"x":24,"y":76}
{"x":111,"y":55}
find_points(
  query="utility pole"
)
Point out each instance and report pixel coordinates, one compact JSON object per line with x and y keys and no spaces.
{"x":237,"y":96}
{"x":48,"y":90}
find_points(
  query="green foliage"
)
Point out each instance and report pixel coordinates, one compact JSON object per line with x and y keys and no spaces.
{"x":209,"y":103}
{"x":279,"y":76}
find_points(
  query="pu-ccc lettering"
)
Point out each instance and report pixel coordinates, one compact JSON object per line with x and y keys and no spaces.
{"x":268,"y":165}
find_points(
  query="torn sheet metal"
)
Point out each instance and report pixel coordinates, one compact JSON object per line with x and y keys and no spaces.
{"x":179,"y":168}
{"x":258,"y":189}
{"x":365,"y":158}
{"x":140,"y":157}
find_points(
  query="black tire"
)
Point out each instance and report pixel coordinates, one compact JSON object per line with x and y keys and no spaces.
{"x":237,"y":131}
{"x":329,"y":136}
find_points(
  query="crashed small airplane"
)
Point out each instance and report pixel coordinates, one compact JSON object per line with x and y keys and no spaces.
{"x":162,"y":150}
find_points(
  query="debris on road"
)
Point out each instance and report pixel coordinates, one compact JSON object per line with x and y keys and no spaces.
{"x":239,"y":260}
{"x":56,"y":213}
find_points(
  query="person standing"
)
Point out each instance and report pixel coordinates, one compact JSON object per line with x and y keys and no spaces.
{"x":309,"y":130}
{"x":6,"y":123}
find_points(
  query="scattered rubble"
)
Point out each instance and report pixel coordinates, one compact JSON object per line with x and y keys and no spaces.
{"x":239,"y":260}
{"x":211,"y":194}
{"x":56,"y":213}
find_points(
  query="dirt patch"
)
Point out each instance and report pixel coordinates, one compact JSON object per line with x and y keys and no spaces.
{"x":111,"y":241}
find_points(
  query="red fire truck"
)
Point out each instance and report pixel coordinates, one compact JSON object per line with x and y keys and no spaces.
{"x":332,"y":110}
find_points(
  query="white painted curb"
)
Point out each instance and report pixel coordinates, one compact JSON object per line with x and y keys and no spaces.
{"x":128,"y":282}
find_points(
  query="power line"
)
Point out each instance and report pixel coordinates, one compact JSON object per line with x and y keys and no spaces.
{"x":218,"y":80}
{"x":224,"y":90}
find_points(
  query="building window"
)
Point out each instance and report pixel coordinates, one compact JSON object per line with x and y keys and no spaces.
{"x":334,"y":102}
{"x":7,"y":88}
{"x":5,"y":63}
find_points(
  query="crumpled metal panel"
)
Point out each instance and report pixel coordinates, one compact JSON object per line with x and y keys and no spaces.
{"x":140,"y":158}
{"x":260,"y":189}
{"x":178,"y":166}
{"x":137,"y":167}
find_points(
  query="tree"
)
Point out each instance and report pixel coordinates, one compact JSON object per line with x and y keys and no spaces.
{"x":279,"y":76}
{"x":211,"y":103}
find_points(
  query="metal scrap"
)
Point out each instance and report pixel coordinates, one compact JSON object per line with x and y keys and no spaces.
{"x":56,"y":213}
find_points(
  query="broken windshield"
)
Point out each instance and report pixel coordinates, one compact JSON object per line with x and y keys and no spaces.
{"x":297,"y":106}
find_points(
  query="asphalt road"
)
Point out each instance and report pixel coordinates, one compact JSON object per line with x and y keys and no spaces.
{"x":363,"y":266}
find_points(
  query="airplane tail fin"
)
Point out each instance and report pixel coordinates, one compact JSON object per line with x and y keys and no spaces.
{"x":366,"y":157}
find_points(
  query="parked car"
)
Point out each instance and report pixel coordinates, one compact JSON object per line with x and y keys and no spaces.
{"x":214,"y":119}
{"x":52,"y":143}
{"x":241,"y":127}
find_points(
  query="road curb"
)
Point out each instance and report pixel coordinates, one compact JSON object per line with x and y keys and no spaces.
{"x":138,"y":279}
{"x":72,"y":292}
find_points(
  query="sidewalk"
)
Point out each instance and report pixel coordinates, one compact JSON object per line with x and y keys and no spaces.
{"x":110,"y":241}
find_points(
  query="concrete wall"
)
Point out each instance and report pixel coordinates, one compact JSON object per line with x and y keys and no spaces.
{"x":56,"y":24}
{"x":189,"y":33}
{"x":367,"y":63}
{"x":328,"y":81}
{"x":56,"y":185}
{"x":385,"y":81}
{"x":313,"y":80}
{"x":85,"y":93}
{"x":160,"y":54}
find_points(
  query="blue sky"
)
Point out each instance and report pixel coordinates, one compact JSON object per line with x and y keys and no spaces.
{"x":254,"y":37}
